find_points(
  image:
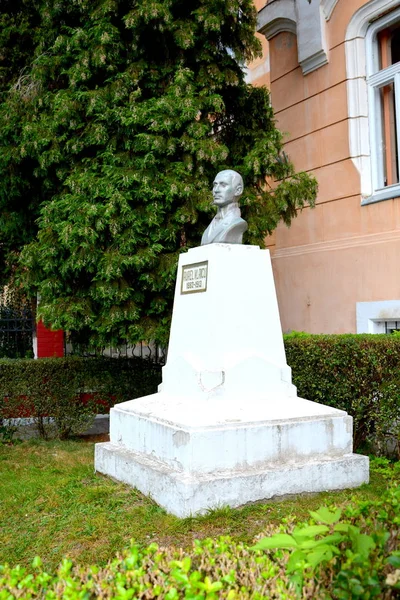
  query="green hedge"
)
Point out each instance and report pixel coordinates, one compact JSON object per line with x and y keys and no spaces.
{"x":338,"y":554}
{"x":356,"y":373}
{"x":71,"y":390}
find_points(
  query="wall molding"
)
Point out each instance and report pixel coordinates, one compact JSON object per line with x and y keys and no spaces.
{"x":328,"y":7}
{"x":278,"y":25}
{"x":338,"y":244}
{"x":277,"y":16}
{"x":360,"y":21}
{"x":314,"y":62}
{"x":304,"y":19}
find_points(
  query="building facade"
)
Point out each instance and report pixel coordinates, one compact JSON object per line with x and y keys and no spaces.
{"x":333,"y":68}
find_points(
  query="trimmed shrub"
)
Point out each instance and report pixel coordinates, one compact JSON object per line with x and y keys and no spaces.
{"x":363,"y":563}
{"x":63,"y":395}
{"x":356,"y":373}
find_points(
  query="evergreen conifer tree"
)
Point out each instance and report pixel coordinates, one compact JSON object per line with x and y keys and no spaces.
{"x":115,"y":116}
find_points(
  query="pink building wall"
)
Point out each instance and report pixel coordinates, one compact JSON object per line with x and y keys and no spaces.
{"x":341,"y":252}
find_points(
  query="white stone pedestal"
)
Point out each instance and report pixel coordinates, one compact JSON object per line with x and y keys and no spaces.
{"x":226,"y":426}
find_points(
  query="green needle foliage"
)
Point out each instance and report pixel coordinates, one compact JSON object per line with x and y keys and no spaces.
{"x":115,"y":118}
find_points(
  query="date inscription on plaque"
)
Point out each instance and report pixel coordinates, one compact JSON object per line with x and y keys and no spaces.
{"x":194,"y":278}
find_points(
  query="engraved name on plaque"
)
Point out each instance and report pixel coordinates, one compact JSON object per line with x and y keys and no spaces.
{"x":194,"y":278}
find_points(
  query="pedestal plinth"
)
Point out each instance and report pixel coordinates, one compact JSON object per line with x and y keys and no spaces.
{"x":227,"y":426}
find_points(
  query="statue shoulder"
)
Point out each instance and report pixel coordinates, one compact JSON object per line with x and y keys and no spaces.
{"x":233,"y":232}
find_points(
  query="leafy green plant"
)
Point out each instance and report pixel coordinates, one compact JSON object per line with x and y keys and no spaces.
{"x":211,"y":570}
{"x":337,"y":556}
{"x":311,"y":545}
{"x":338,"y":565}
{"x":8,"y":432}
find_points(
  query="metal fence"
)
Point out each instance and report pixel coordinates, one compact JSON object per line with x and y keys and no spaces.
{"x":17,"y":326}
{"x":150,"y":352}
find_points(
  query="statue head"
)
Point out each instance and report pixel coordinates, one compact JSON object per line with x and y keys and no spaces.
{"x":227,"y":187}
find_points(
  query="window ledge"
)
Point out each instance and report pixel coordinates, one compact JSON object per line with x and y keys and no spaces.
{"x":388,"y":193}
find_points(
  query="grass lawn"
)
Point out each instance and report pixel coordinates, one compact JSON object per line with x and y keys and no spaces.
{"x":52,"y":504}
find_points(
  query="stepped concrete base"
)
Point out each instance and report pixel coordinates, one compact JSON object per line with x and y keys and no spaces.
{"x":194,"y":456}
{"x":184,"y":494}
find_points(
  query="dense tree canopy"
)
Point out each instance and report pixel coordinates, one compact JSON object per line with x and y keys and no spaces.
{"x":115,"y":116}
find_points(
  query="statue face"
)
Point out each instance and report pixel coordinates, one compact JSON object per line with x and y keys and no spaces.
{"x":224,"y":192}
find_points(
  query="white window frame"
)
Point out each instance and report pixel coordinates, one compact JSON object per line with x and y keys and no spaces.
{"x":358,"y":53}
{"x":371,"y":316}
{"x":377,"y":78}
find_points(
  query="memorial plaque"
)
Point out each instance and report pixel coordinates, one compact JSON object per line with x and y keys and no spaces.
{"x":194,"y":278}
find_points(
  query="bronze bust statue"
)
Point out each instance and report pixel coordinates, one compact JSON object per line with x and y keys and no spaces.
{"x":227,"y":226}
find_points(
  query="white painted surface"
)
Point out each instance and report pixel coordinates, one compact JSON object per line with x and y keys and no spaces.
{"x":311,"y":37}
{"x":371,"y":316}
{"x":34,"y":344}
{"x":227,"y":426}
{"x":227,"y":342}
{"x":306,"y":20}
{"x":277,"y":17}
{"x":184,"y":494}
{"x":203,"y":437}
{"x":328,"y":6}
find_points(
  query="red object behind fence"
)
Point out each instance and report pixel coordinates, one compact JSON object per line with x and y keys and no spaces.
{"x":50,"y":343}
